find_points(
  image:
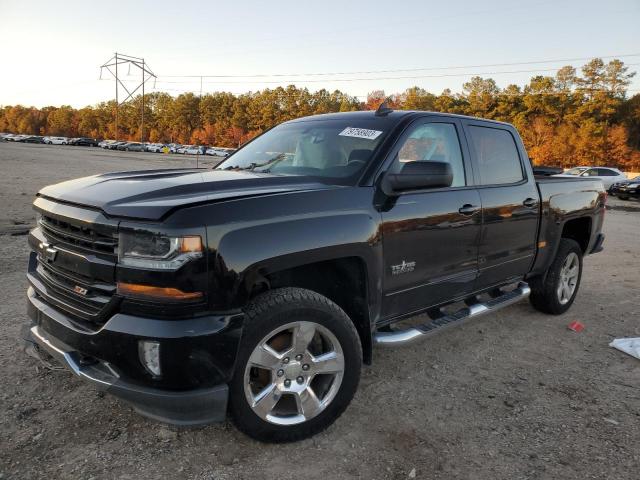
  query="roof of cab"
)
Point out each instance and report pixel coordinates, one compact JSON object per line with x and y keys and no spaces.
{"x":393,"y":116}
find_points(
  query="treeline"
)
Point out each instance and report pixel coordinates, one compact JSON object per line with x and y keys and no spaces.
{"x":566,"y":119}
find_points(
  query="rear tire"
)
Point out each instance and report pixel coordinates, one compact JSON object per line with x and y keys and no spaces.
{"x":556,"y":293}
{"x":306,"y":337}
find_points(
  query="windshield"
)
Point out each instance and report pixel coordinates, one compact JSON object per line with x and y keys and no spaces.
{"x":575,"y":171}
{"x":336,"y":149}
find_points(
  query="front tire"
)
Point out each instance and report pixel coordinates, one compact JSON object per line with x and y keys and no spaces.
{"x":298,"y":366}
{"x":556,"y":294}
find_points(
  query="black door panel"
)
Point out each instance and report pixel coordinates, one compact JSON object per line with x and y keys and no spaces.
{"x":427,"y":232}
{"x":510,"y":203}
{"x":430,"y":236}
{"x":509,"y":230}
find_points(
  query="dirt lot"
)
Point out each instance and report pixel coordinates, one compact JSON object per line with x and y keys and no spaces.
{"x":513,"y":395}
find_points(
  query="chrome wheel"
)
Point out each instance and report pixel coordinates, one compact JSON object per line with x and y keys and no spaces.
{"x":568,"y":279}
{"x":294,"y":373}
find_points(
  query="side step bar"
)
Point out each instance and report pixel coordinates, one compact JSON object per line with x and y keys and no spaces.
{"x":419,"y":332}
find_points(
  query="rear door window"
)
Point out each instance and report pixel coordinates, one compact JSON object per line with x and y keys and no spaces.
{"x":497,"y":155}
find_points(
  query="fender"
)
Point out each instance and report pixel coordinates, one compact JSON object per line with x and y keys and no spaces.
{"x":279,"y":232}
{"x":559,"y":208}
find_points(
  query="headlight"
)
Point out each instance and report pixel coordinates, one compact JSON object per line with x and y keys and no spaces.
{"x":157,"y":251}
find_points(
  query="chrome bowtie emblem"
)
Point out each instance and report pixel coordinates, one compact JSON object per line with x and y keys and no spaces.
{"x":404,"y":267}
{"x":47,"y":252}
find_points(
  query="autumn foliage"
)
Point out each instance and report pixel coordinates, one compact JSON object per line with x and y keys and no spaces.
{"x":565,"y":120}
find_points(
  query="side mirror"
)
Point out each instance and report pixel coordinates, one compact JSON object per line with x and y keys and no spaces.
{"x":416,"y":175}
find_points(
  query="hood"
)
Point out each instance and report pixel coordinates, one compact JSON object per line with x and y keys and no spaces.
{"x":152,"y":194}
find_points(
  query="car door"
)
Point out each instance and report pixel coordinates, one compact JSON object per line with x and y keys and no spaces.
{"x":608,"y":176}
{"x":510,"y":202}
{"x":430,"y":236}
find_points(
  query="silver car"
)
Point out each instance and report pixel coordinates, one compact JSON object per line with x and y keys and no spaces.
{"x":608,"y":175}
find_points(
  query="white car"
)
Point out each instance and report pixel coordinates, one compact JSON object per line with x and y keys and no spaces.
{"x":56,"y":140}
{"x":194,"y":150}
{"x":155,"y":147}
{"x":15,"y":138}
{"x":216,"y":152}
{"x":608,"y":175}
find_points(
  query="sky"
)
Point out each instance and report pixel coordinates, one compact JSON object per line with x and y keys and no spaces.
{"x":52,"y":51}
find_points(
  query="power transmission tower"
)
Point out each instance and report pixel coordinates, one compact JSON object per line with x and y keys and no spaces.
{"x":147,"y":74}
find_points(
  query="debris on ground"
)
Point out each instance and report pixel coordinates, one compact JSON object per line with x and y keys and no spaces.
{"x":627,"y":345}
{"x":576,"y":326}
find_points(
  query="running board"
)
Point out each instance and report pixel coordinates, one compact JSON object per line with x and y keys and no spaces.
{"x":419,"y":332}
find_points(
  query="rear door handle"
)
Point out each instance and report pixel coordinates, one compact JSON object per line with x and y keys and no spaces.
{"x":530,"y":202}
{"x":468,"y":209}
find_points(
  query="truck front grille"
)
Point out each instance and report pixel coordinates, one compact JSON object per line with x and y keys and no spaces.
{"x":78,"y":236}
{"x":79,"y":279}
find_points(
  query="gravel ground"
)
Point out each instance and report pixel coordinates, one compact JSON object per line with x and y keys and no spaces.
{"x":514,"y":395}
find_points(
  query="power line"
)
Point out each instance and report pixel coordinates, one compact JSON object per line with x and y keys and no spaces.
{"x":500,"y":93}
{"x":367,"y":72}
{"x":364,"y":79}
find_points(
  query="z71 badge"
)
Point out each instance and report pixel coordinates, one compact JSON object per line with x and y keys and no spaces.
{"x":79,"y":290}
{"x":404,"y":267}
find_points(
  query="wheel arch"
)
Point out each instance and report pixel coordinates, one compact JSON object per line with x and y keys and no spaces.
{"x":579,"y":230}
{"x":342,"y":280}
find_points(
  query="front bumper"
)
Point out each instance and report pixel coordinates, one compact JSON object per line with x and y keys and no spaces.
{"x":200,"y":351}
{"x":597,"y":245}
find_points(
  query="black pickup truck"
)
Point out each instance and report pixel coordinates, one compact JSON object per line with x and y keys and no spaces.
{"x":260,"y":287}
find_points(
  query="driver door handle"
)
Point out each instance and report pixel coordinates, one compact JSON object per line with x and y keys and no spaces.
{"x":468,"y":209}
{"x":530,"y":202}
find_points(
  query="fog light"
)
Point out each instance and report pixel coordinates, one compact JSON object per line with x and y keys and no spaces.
{"x":149,"y":353}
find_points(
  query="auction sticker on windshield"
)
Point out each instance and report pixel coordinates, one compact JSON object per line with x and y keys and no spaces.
{"x":360,"y":133}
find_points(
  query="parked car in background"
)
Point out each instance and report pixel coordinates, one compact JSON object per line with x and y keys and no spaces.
{"x":32,"y":139}
{"x":56,"y":140}
{"x":132,"y":147}
{"x":105,"y":143}
{"x":114,"y":145}
{"x":182,"y":149}
{"x":155,"y":147}
{"x":608,"y":175}
{"x":85,"y":142}
{"x":217,"y":151}
{"x":16,"y":138}
{"x":626,"y":189}
{"x":195,"y":150}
